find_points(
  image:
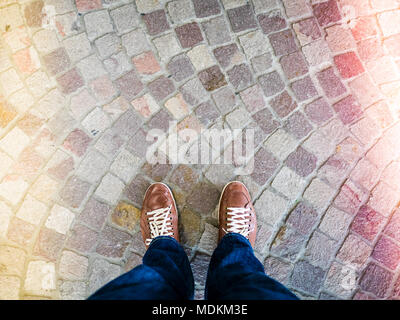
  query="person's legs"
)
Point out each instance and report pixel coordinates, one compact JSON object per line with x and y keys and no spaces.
{"x":236,"y":274}
{"x":164,"y":274}
{"x":234,"y":271}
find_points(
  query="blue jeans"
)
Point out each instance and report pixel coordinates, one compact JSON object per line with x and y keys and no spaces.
{"x":234,"y":274}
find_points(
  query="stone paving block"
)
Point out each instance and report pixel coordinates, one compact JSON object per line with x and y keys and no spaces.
{"x":253,"y":98}
{"x":307,"y":277}
{"x":270,"y":207}
{"x":339,"y":38}
{"x":9,"y":287}
{"x":88,"y":5}
{"x":350,"y":198}
{"x":320,"y":250}
{"x":278,"y":269}
{"x":370,"y":49}
{"x":383,"y":199}
{"x":387,"y":252}
{"x":367,"y":223}
{"x":326,"y":12}
{"x":74,"y":192}
{"x":20,"y":231}
{"x":296,"y":8}
{"x":288,"y":243}
{"x":301,"y":161}
{"x":125,"y":165}
{"x":77,"y":47}
{"x":262,"y":63}
{"x":203,"y":198}
{"x":161,"y":88}
{"x":337,"y":280}
{"x":212,"y":78}
{"x":348,"y":64}
{"x":242,"y":18}
{"x":364,"y":90}
{"x":335,"y":223}
{"x":288,"y":183}
{"x":180,"y":67}
{"x":318,"y":193}
{"x":271,"y":83}
{"x":70,"y":81}
{"x":56,"y":61}
{"x":376,"y":280}
{"x":125,"y":18}
{"x":167,"y":46}
{"x":27,"y":60}
{"x":240,"y":76}
{"x":391,"y":174}
{"x":145,"y":105}
{"x":304,"y":88}
{"x":146,"y":63}
{"x":348,"y":109}
{"x":12,"y":260}
{"x":317,"y":52}
{"x":294,"y":65}
{"x":97,"y":24}
{"x":91,"y":68}
{"x":113,"y":242}
{"x":94,"y":213}
{"x":297,"y":125}
{"x":32,"y":210}
{"x":200,"y":57}
{"x":207,"y":113}
{"x":216,"y":31}
{"x":228,"y":55}
{"x":135,"y":42}
{"x":107,"y":45}
{"x":129,"y":85}
{"x":126,"y":216}
{"x":318,"y":111}
{"x":110,"y":188}
{"x":265,"y":164}
{"x":189,"y":35}
{"x":73,"y":290}
{"x":283,"y":42}
{"x":177,"y":106}
{"x":193,"y":92}
{"x":354,"y":251}
{"x":101,"y":272}
{"x":383,"y":70}
{"x":271,"y":22}
{"x":81,"y":238}
{"x":205,"y":8}
{"x":180,"y":10}
{"x":77,"y":142}
{"x":331,"y":83}
{"x":279,"y":138}
{"x":209,"y":239}
{"x":307,"y":30}
{"x":40,"y":278}
{"x":73,"y":266}
{"x":49,"y":244}
{"x":156,"y":22}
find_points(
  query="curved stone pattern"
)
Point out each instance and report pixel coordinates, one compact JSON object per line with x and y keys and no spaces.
{"x":83,"y":82}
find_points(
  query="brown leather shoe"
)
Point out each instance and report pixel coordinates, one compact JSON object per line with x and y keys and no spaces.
{"x":159,"y":215}
{"x":236,"y":212}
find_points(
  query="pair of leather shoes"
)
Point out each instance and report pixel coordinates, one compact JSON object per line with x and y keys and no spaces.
{"x":159,"y":215}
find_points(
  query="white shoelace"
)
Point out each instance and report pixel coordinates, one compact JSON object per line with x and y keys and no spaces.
{"x":160,"y":223}
{"x":238,"y":220}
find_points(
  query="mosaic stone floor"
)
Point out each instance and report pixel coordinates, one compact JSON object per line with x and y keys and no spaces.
{"x":83,"y":82}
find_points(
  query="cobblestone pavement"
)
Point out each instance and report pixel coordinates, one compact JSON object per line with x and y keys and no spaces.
{"x":82,"y":85}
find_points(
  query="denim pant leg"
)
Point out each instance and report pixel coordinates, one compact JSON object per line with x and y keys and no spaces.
{"x":164,"y":275}
{"x":236,"y":274}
